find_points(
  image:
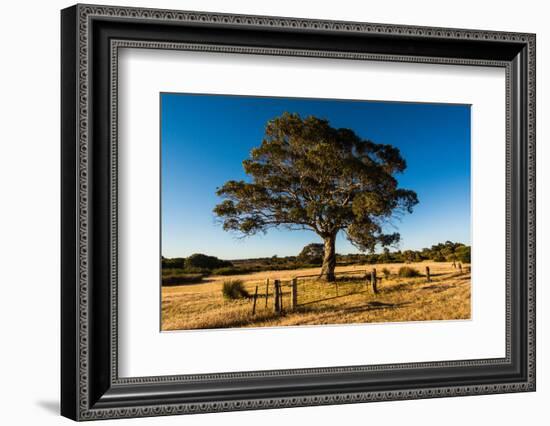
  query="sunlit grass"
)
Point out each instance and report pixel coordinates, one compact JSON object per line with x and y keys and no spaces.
{"x":350,"y":300}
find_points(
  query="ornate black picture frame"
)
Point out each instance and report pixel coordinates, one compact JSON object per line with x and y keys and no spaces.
{"x":91,"y":387}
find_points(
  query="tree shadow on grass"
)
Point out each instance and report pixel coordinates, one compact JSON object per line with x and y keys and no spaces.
{"x":397,"y":287}
{"x":420,"y":284}
{"x":375,"y":306}
{"x":463,"y":278}
{"x":438,"y":288}
{"x":366,"y":307}
{"x":332,"y":316}
{"x":445,"y":286}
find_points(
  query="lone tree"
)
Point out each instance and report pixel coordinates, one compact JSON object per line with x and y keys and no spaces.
{"x":307,"y":175}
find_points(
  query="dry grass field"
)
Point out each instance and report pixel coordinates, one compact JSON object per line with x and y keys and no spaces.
{"x":350,"y":300}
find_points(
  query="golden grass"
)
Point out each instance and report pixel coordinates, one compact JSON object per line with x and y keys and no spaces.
{"x":200,"y":306}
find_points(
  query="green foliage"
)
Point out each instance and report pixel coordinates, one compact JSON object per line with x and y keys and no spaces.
{"x":199,"y":260}
{"x":463,"y":254}
{"x":307,"y":259}
{"x":180,"y":279}
{"x":309,"y":175}
{"x":174,"y":263}
{"x":234,"y":289}
{"x":386,"y":272}
{"x":410,"y":256}
{"x":312,"y":254}
{"x":446,"y":251}
{"x":196,"y":270}
{"x":408,"y":272}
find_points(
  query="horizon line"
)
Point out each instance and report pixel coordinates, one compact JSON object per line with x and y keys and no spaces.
{"x":295,"y":255}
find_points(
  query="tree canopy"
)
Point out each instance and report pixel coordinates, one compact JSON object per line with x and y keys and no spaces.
{"x":309,"y":175}
{"x":199,"y":260}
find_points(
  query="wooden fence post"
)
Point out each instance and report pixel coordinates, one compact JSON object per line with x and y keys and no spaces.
{"x":428,"y":274}
{"x":294,"y":293}
{"x":373,"y":281}
{"x":281,"y":296}
{"x":254,"y":303}
{"x":276,"y":304}
{"x":266,"y":291}
{"x":460,"y":267}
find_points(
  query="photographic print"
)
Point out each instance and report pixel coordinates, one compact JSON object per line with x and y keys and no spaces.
{"x":283,"y":211}
{"x":348,"y":206}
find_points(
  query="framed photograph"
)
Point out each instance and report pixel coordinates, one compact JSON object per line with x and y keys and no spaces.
{"x":263,"y":212}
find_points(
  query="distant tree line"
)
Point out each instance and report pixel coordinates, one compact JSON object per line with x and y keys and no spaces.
{"x":195,"y":263}
{"x":443,"y":252}
{"x":312,"y":256}
{"x":210,"y":265}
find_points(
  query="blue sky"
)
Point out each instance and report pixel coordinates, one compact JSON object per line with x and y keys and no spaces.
{"x":205,"y":138}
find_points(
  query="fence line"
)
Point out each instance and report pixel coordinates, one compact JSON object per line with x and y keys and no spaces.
{"x":297,"y":290}
{"x":302,"y":290}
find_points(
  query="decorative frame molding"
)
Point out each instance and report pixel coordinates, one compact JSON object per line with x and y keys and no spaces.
{"x":91,"y":37}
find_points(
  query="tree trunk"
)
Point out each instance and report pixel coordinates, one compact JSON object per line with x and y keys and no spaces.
{"x":329,"y":259}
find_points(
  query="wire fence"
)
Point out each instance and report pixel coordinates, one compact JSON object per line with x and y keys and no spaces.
{"x":288,"y":295}
{"x":315,"y":289}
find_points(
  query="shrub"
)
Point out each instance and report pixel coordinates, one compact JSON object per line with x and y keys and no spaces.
{"x":463,"y":254}
{"x":171,"y":271}
{"x":386,"y":273}
{"x":312,"y":253}
{"x":181,"y":279}
{"x":234,"y":289}
{"x":199,"y":260}
{"x":408,"y":272}
{"x":175,"y":263}
{"x":196,"y":270}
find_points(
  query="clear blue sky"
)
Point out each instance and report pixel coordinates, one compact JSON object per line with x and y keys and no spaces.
{"x":204,"y":139}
